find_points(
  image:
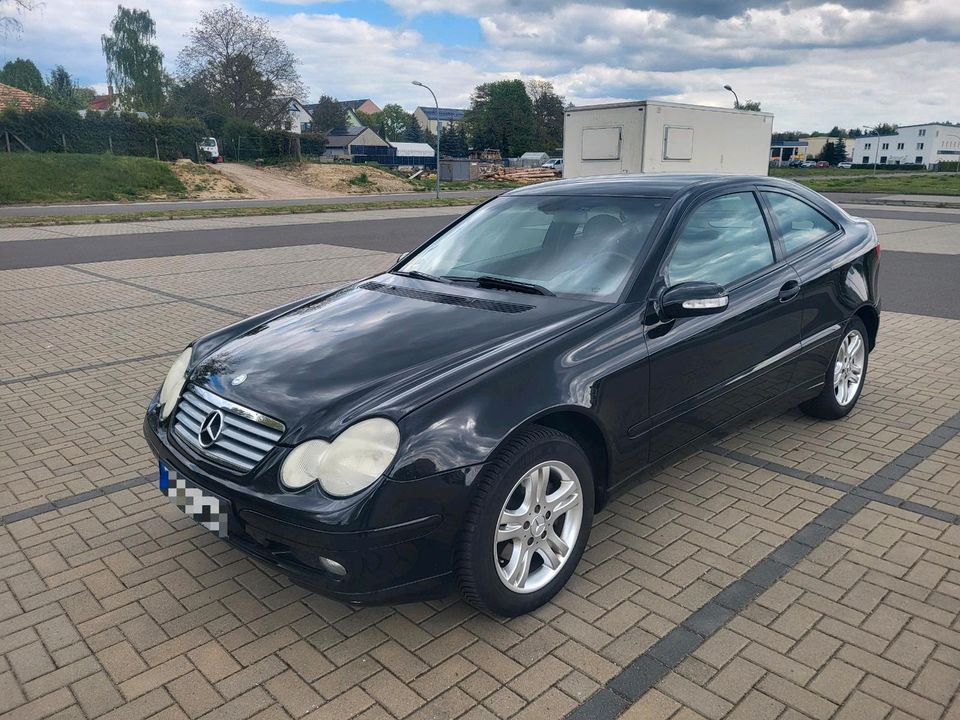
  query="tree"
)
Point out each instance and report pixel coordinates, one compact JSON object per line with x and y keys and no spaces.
{"x":228,"y":48}
{"x":11,"y":23}
{"x":786,"y":135}
{"x":134,"y":63}
{"x":749,"y":105}
{"x":453,"y":141}
{"x":62,"y":92}
{"x":501,"y":116}
{"x":394,"y":121}
{"x":414,"y":132}
{"x":22,"y":74}
{"x":548,"y":110}
{"x":329,"y":114}
{"x":834,"y":151}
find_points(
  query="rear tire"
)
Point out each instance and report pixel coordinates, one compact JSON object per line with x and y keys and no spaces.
{"x":845,"y":376}
{"x":528,"y":523}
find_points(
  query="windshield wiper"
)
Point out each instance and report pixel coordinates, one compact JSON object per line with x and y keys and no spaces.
{"x":420,"y":275}
{"x":491,"y":281}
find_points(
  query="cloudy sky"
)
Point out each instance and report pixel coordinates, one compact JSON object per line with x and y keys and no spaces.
{"x":812,"y":64}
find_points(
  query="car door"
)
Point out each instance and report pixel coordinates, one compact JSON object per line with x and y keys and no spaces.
{"x":808,"y":238}
{"x":708,"y":369}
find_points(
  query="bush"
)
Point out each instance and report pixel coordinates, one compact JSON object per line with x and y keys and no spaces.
{"x":890,"y":168}
{"x":51,"y":129}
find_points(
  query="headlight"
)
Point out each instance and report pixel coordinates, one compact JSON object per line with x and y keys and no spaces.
{"x":353,"y":461}
{"x":173,"y":383}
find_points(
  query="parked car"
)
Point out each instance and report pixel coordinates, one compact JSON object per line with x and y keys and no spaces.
{"x":457,"y":420}
{"x":554,"y":164}
{"x":822,"y":164}
{"x":808,"y":164}
{"x":845,"y":165}
{"x":795,"y":163}
{"x":210,"y":150}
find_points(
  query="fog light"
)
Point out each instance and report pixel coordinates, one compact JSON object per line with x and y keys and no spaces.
{"x":332,"y":566}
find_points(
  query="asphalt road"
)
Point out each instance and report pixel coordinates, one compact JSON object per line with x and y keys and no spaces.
{"x":921,"y":283}
{"x":129,"y":207}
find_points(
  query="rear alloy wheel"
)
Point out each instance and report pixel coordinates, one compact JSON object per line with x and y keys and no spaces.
{"x":528,"y":524}
{"x":845,"y":376}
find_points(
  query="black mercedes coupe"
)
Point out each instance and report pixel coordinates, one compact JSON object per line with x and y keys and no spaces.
{"x":456,"y":421}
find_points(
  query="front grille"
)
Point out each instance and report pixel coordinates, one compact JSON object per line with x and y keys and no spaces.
{"x":245,"y":438}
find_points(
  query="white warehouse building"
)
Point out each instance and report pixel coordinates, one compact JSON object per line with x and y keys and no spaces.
{"x":912,"y":144}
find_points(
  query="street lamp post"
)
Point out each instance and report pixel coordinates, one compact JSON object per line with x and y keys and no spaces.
{"x":420,"y":84}
{"x":876,"y":153}
{"x":956,"y":169}
{"x":736,"y":100}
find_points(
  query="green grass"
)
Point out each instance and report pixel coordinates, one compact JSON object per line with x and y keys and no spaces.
{"x":924,"y":184}
{"x":30,"y":177}
{"x":93,"y":217}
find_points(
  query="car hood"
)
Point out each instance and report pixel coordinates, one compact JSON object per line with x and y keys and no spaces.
{"x":384,"y":346}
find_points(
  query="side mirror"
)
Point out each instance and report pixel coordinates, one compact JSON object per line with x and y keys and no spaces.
{"x":401,"y":256}
{"x":693,"y":298}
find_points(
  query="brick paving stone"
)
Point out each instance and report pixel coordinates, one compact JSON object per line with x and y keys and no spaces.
{"x":120,"y":599}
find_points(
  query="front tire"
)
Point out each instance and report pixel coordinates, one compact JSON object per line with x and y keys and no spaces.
{"x":528,"y":524}
{"x":845,"y":376}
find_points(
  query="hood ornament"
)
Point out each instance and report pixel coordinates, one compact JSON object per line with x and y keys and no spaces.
{"x":238,"y":379}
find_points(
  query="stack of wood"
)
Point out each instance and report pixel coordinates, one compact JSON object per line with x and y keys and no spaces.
{"x":520,"y":175}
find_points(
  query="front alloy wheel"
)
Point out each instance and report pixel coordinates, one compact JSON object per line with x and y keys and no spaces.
{"x":539,"y":526}
{"x":528,"y":522}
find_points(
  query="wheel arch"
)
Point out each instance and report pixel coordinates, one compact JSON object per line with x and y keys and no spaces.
{"x":871,"y":318}
{"x":589,"y":434}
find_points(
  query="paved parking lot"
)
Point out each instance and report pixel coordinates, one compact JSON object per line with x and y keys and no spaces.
{"x":793,"y":569}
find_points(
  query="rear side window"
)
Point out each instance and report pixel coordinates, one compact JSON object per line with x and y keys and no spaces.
{"x":723,"y":240}
{"x":800,"y":224}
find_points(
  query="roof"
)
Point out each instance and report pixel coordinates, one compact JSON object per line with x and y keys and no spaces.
{"x":101,"y":102}
{"x":356,"y":104}
{"x":532,"y":155}
{"x":653,"y":185}
{"x":414,"y":149}
{"x":20,"y":99}
{"x":343,"y":137}
{"x":446,"y":114}
{"x":664,"y":103}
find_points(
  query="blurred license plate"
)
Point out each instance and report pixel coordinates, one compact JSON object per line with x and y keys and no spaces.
{"x":208,"y":509}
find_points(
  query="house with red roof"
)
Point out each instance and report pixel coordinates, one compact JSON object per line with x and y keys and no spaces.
{"x":17,"y":98}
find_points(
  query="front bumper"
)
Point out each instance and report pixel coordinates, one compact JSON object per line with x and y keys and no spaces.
{"x":396,"y":541}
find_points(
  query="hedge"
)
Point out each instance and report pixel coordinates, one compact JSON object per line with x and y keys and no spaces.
{"x":50,"y":129}
{"x":56,"y":130}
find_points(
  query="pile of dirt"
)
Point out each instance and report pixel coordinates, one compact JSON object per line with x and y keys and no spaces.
{"x":204,"y":183}
{"x":343,"y":178}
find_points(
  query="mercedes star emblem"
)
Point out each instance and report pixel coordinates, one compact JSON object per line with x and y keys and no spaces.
{"x":210,"y":429}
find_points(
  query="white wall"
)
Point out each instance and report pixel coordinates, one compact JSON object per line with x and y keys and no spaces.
{"x":938,"y":144}
{"x":664,"y":137}
{"x":724,"y":141}
{"x":586,"y":131}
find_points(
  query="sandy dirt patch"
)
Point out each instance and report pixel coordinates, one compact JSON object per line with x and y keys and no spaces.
{"x":205,"y":183}
{"x":267,"y":184}
{"x":344,"y":179}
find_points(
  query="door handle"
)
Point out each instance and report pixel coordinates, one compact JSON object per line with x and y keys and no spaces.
{"x":789,"y":290}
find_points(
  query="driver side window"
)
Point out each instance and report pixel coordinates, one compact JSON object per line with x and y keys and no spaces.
{"x":723,"y":240}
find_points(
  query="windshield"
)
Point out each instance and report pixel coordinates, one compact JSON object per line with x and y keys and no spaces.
{"x":571,"y":246}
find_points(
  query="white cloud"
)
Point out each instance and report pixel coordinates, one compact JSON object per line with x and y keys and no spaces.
{"x":812,"y":64}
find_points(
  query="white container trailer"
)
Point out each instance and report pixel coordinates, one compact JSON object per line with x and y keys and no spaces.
{"x":660,"y":137}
